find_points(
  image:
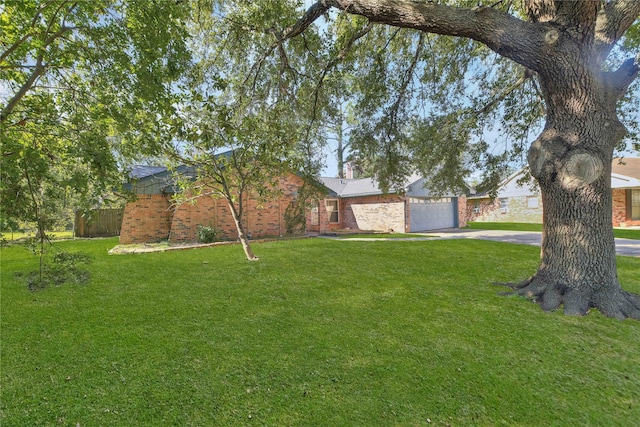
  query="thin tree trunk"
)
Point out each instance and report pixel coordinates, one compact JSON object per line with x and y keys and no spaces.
{"x":242,"y":236}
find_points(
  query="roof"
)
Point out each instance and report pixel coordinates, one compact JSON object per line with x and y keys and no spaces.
{"x":630,"y":167}
{"x":343,"y":187}
{"x":625,"y":175}
{"x":156,"y":179}
{"x":143,"y":171}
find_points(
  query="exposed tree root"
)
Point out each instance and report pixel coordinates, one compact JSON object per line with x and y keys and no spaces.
{"x":611,"y":301}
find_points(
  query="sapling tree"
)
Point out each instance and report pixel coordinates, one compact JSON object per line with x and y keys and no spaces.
{"x":236,"y":153}
{"x":239,"y":131}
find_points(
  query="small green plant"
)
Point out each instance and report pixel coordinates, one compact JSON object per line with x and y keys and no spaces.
{"x":62,"y":268}
{"x":207,"y":234}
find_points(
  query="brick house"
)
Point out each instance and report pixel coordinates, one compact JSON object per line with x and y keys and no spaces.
{"x":523,"y":203}
{"x":360,"y":204}
{"x":153,"y":216}
{"x":348,"y":204}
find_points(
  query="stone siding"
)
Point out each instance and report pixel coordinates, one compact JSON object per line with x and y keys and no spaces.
{"x":517,"y":210}
{"x":379,"y":216}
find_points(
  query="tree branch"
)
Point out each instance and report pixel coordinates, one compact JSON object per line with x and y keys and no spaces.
{"x":525,"y":76}
{"x":335,"y":61}
{"x":29,"y":34}
{"x":540,"y":10}
{"x":37,"y":72}
{"x":614,"y":19}
{"x":578,"y":17}
{"x":407,"y":79}
{"x":310,"y":16}
{"x":621,"y":79}
{"x":489,"y":26}
{"x":39,"y":68}
{"x":13,"y":47}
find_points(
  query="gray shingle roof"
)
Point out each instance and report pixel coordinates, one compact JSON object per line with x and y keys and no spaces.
{"x":351,"y":187}
{"x":142,"y":171}
{"x":343,"y":187}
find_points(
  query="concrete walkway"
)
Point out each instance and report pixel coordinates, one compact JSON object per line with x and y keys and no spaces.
{"x":625,"y":247}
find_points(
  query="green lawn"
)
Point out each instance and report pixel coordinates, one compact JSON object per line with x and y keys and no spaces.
{"x":382,"y":236}
{"x":319,"y":332}
{"x":521,"y":226}
{"x":17,"y":235}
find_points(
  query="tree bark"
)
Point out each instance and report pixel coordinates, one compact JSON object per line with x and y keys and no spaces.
{"x":242,"y":236}
{"x":571,"y":161}
{"x":577,"y":258}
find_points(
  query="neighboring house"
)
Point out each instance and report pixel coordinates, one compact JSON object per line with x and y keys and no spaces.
{"x":515,"y":202}
{"x":522,"y":203}
{"x":360,"y":204}
{"x":153,"y":216}
{"x":625,"y":182}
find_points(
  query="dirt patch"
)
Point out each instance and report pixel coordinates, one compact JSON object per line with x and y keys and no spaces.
{"x":140,"y":248}
{"x":160,"y":247}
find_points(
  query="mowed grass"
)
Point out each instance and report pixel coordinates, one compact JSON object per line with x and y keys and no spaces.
{"x":521,"y":226}
{"x":19,"y":235}
{"x":319,"y":332}
{"x":382,"y":236}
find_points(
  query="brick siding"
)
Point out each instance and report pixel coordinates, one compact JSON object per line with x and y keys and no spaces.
{"x":347,"y":219}
{"x":150,"y":218}
{"x":462,"y":211}
{"x":519,"y":212}
{"x":147,"y":219}
{"x":621,"y":215}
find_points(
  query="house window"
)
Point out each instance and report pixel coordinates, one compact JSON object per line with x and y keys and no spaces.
{"x":332,"y":210}
{"x":635,"y":204}
{"x":504,"y":205}
{"x":532,"y":202}
{"x":476,"y":207}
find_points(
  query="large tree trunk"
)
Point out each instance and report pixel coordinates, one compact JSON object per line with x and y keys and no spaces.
{"x":571,"y":161}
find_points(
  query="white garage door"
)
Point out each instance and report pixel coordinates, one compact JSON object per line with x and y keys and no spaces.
{"x":432,"y":214}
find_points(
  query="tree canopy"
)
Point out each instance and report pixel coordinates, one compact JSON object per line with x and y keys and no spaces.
{"x":429,"y":82}
{"x":82,"y":85}
{"x":422,"y":99}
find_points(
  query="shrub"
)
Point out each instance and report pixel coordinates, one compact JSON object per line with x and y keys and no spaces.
{"x":207,"y":234}
{"x":62,"y":268}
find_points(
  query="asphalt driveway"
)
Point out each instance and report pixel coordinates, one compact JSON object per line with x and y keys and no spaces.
{"x":625,"y":247}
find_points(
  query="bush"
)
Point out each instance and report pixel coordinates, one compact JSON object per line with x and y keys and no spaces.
{"x":207,"y":234}
{"x":62,"y":268}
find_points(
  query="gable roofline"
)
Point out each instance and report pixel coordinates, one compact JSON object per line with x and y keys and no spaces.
{"x":622,"y":181}
{"x":352,"y":187}
{"x":413,"y":186}
{"x":627,"y":175}
{"x":630,"y":167}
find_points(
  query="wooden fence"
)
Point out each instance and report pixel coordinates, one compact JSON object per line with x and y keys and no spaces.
{"x":98,"y":223}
